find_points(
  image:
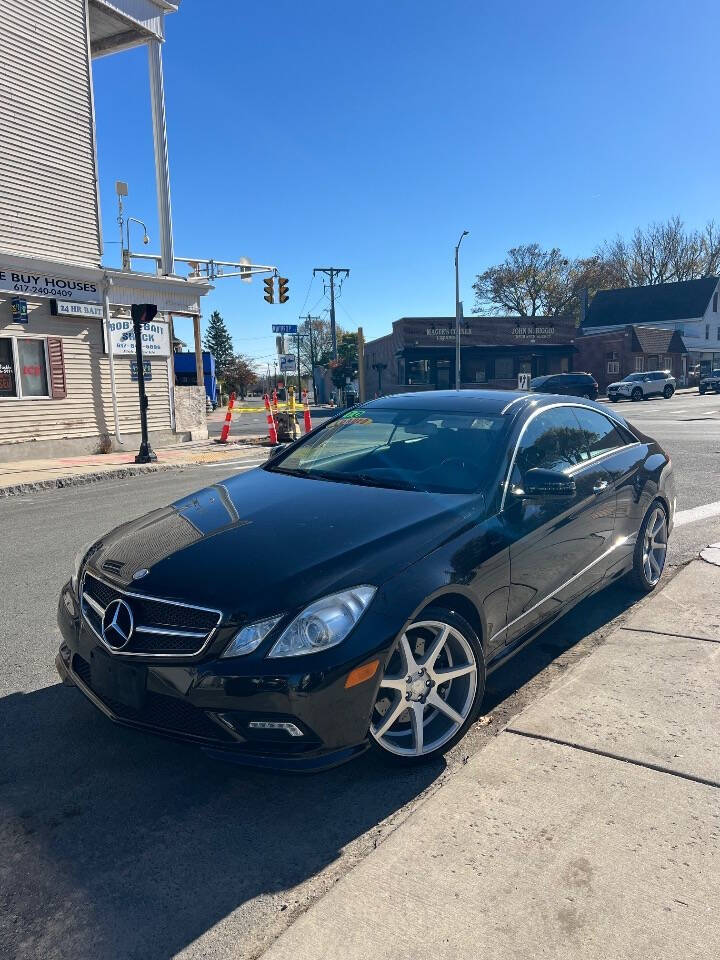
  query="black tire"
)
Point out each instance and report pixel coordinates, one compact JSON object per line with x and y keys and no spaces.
{"x":460,"y":624}
{"x":701,"y":391}
{"x":637,"y":394}
{"x":637,"y":577}
{"x":668,"y":392}
{"x":614,"y":399}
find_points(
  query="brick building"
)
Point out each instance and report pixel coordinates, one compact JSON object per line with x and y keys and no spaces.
{"x":612,"y":354}
{"x":419,"y":354}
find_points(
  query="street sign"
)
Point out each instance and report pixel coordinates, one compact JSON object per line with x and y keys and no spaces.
{"x":523,"y":381}
{"x":284,"y":328}
{"x":287,"y":363}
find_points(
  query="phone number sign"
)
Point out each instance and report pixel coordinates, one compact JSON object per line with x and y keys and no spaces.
{"x":48,"y":285}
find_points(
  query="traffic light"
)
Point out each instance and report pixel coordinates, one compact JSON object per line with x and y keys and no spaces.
{"x":283,"y":295}
{"x":269,"y":289}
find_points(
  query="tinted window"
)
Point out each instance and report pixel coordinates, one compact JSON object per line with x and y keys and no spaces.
{"x":8,"y":387}
{"x":553,"y":440}
{"x":442,"y":451}
{"x":601,"y":436}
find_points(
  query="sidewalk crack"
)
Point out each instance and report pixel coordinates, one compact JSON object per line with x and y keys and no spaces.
{"x":665,"y":633}
{"x":658,"y":768}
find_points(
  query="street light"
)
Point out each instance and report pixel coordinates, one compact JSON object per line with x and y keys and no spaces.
{"x":458,"y":311}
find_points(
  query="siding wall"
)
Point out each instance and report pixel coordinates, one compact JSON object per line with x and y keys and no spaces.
{"x":47,"y":151}
{"x":82,"y":413}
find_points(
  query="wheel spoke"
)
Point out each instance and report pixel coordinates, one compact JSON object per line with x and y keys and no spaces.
{"x":654,"y":564}
{"x":659,"y":524}
{"x":437,"y":645}
{"x":435,"y":700}
{"x":647,"y":568}
{"x":394,"y":683}
{"x":407,"y":654}
{"x":390,"y":718}
{"x":416,"y":719}
{"x":442,"y":676}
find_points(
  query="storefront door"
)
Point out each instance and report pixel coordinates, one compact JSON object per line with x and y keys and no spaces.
{"x":443,"y":375}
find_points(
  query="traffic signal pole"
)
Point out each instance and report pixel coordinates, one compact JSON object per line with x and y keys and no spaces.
{"x":332,"y":273}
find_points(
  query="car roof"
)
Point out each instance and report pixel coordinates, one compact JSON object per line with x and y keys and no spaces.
{"x":509,"y":402}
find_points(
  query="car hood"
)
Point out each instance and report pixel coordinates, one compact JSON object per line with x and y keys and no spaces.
{"x":264,"y":542}
{"x":619,"y":383}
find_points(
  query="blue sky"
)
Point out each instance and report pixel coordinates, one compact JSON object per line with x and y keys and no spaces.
{"x":369,"y":135}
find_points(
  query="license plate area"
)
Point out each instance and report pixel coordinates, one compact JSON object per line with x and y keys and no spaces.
{"x":122,"y":682}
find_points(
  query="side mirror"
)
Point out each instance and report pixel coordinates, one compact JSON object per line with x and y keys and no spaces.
{"x":541,"y":484}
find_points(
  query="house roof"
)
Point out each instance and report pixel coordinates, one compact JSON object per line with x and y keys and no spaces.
{"x":659,"y":303}
{"x":657,"y":340}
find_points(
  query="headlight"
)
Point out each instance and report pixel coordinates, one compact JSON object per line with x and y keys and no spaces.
{"x":324,"y":623}
{"x":80,"y":558}
{"x":250,"y":637}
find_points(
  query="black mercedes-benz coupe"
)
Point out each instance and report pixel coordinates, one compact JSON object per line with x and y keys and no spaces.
{"x":357,"y":589}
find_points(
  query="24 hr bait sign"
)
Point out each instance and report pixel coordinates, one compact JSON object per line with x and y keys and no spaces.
{"x":48,"y":285}
{"x":155,"y":339}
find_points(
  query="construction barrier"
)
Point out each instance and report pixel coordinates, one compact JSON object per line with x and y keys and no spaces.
{"x":272,"y":429}
{"x":308,"y":421}
{"x":228,"y":419}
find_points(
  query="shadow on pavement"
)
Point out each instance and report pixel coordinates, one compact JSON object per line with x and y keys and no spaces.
{"x":117,"y":844}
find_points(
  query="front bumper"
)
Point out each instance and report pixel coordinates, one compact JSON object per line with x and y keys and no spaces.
{"x":211,"y":702}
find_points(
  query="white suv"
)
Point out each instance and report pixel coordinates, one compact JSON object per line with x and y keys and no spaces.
{"x":640,"y":386}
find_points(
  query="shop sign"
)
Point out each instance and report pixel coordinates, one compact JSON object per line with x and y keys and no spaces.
{"x":147,"y":370}
{"x":533,"y":332}
{"x":446,"y":333}
{"x":69,"y":308}
{"x":155,"y":338}
{"x":19,"y":310}
{"x":48,"y":285}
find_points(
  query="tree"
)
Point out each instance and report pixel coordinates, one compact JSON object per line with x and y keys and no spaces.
{"x":346,"y":366}
{"x":239,"y":375}
{"x":321,"y":343}
{"x":662,"y":253}
{"x":533,"y":282}
{"x":219,"y":342}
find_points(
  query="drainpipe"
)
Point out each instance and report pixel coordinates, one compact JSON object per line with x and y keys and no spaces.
{"x":111,"y":359}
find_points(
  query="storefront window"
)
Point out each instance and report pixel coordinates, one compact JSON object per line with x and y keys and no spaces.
{"x":33,"y":368}
{"x":8,"y":387}
{"x":504,"y":368}
{"x":417,"y":371}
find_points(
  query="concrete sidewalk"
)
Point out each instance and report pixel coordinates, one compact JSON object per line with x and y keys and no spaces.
{"x":589,"y":828}
{"x":21,"y":476}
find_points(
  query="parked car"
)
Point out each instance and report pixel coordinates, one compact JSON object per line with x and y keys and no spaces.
{"x":710,"y":382}
{"x":640,"y":386}
{"x":447,"y":530}
{"x":566,"y":384}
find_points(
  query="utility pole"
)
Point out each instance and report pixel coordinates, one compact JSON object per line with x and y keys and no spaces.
{"x":308,"y":324}
{"x":361,"y":365}
{"x":332,"y":272}
{"x":458,"y":311}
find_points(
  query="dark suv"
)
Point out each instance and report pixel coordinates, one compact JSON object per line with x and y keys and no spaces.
{"x":574,"y":384}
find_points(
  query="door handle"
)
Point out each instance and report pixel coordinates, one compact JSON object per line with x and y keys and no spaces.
{"x":600,"y":486}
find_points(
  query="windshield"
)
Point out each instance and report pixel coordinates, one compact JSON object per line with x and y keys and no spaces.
{"x":634,"y":376}
{"x":426,"y":450}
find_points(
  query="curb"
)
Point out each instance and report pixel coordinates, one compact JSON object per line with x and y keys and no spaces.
{"x":77,"y":480}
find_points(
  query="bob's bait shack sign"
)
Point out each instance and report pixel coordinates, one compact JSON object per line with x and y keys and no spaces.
{"x":155,"y":338}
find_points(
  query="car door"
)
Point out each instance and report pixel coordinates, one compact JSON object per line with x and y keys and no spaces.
{"x":557,"y":545}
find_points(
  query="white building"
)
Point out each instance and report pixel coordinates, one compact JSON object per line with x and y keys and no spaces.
{"x":690,"y":306}
{"x":61,"y":310}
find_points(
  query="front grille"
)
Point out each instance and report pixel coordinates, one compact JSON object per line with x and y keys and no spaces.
{"x":160,"y":711}
{"x":161,"y":628}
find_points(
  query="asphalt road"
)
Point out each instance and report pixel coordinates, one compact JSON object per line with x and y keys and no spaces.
{"x":115,"y":844}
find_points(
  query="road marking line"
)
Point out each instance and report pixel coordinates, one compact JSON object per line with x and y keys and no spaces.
{"x":697,"y":513}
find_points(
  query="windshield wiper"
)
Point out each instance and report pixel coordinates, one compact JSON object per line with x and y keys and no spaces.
{"x":362,"y":479}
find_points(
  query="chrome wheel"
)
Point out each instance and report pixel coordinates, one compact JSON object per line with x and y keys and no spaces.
{"x":655,"y":546}
{"x":427,"y":692}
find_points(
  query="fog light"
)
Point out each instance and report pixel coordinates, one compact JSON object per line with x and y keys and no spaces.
{"x":276,"y":725}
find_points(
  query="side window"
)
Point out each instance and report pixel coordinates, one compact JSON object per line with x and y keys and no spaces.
{"x":600,"y":435}
{"x":554,"y":440}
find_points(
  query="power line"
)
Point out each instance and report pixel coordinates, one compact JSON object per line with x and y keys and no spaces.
{"x":333,"y":273}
